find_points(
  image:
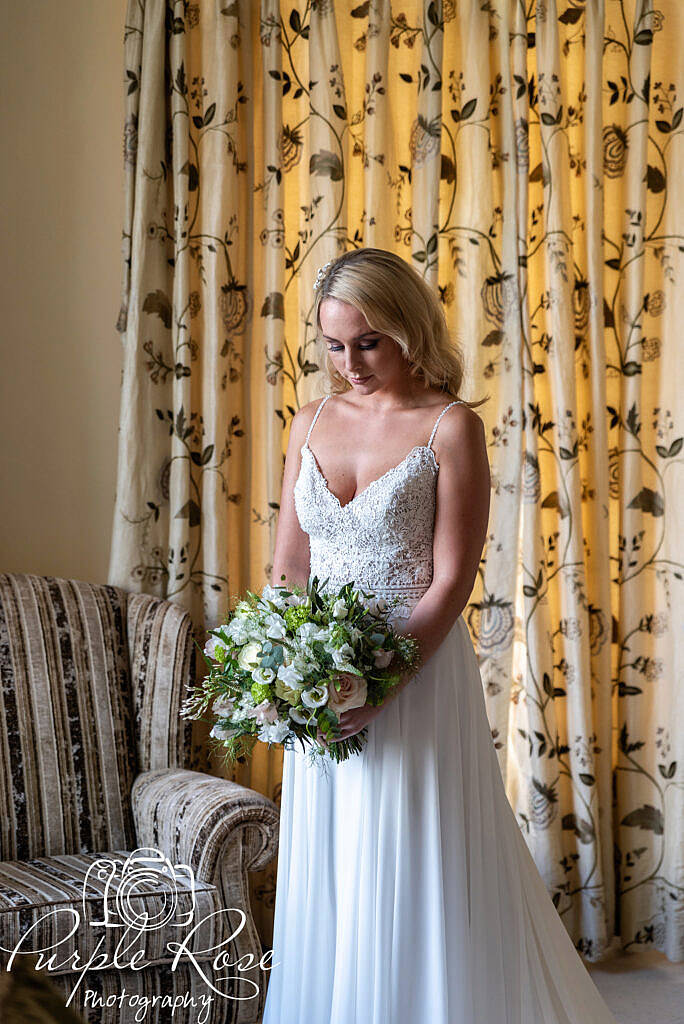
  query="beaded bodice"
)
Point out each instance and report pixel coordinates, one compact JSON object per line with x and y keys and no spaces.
{"x":382,"y":538}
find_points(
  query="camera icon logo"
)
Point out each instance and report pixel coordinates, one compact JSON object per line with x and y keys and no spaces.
{"x":142,"y":891}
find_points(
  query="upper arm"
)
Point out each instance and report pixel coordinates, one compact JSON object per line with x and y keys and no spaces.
{"x":291,"y":554}
{"x":463,"y":493}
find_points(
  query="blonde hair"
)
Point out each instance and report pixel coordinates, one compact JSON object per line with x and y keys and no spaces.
{"x":396,"y":301}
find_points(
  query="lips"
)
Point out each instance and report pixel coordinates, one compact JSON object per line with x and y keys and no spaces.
{"x":360,"y":380}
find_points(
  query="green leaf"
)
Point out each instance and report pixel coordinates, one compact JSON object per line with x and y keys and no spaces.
{"x":468,"y":109}
{"x":587,"y":779}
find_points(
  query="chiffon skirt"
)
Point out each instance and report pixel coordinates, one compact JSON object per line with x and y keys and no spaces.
{"x":405,"y":889}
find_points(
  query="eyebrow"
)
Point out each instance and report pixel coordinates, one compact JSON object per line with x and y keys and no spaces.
{"x":351,"y":339}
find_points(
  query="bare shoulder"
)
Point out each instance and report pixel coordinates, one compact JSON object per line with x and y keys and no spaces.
{"x":301,"y":422}
{"x":461,"y":433}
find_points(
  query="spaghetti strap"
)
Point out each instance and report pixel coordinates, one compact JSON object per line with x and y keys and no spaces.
{"x":313,"y":421}
{"x":434,"y":429}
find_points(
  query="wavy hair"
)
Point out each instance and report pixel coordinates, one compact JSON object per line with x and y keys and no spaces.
{"x":397,"y":302}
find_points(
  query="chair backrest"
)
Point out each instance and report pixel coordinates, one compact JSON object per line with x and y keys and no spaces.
{"x":163,"y":662}
{"x":68,"y":752}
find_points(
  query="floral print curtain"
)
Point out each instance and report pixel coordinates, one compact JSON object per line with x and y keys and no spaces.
{"x":523,"y":157}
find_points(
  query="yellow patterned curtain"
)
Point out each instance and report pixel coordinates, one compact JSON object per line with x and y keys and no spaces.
{"x":523,"y":157}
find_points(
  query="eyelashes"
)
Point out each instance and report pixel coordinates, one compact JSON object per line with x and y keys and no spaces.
{"x":364,"y":348}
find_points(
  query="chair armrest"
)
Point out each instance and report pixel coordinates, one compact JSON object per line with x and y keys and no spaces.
{"x":221,"y":830}
{"x":202,"y":820}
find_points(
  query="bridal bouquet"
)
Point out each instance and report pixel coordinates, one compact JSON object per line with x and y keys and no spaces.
{"x":288,"y":662}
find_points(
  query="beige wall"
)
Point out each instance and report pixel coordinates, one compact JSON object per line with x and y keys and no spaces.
{"x":61,"y":72}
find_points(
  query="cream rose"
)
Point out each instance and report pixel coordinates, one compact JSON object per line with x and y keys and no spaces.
{"x":351,"y":694}
{"x":248,"y":657}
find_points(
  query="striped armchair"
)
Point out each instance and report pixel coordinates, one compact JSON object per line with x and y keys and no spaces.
{"x":94,"y":769}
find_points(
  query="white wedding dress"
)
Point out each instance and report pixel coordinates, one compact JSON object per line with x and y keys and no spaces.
{"x":405,"y":890}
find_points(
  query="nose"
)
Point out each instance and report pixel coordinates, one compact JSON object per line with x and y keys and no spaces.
{"x":352,"y":361}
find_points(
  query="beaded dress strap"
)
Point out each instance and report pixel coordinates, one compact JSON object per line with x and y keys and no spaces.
{"x":313,"y":421}
{"x":434,"y":429}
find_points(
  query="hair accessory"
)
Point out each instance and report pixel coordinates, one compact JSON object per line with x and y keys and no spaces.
{"x":321,"y":274}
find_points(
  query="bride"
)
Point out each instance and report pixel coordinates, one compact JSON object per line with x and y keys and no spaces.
{"x":405,"y":890}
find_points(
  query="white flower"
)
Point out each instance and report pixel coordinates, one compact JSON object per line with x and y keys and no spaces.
{"x":339,"y":609}
{"x":263,"y":675}
{"x":315,"y":696}
{"x":274,"y":595}
{"x":248,"y":658}
{"x":290,"y":676}
{"x":238,"y":630}
{"x":275,"y":732}
{"x":243,"y":609}
{"x":297,"y":716}
{"x":342,"y":655}
{"x":275,"y":627}
{"x":382,"y":658}
{"x":308,"y":631}
{"x":223,"y":706}
{"x":222,"y":732}
{"x":295,"y":600}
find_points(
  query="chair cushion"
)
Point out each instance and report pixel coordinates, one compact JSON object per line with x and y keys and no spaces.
{"x":96,"y":896}
{"x":67,"y":743}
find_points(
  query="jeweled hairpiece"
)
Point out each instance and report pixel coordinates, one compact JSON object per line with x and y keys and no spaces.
{"x":321,"y":274}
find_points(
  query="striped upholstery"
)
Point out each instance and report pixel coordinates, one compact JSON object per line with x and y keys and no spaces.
{"x":162,"y":658}
{"x":94,"y":757}
{"x":47,"y":896}
{"x":67,"y":760}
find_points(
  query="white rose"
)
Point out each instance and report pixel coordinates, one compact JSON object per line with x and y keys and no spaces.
{"x":290,"y":676}
{"x":242,"y":609}
{"x":353,"y":693}
{"x":295,"y":600}
{"x":315,"y":696}
{"x":339,"y":609}
{"x":248,"y":658}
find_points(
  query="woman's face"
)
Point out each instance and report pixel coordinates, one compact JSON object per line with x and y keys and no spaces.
{"x":370,"y":361}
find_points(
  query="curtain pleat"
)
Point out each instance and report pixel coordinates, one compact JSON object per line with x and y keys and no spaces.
{"x":523,"y":157}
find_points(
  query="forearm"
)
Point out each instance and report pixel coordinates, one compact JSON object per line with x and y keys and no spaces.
{"x":295,"y":573}
{"x":432,"y":619}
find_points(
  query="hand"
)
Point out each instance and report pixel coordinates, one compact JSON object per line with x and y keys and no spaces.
{"x":351,"y":722}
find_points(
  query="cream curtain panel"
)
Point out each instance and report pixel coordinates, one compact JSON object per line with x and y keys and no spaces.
{"x":524,"y":158}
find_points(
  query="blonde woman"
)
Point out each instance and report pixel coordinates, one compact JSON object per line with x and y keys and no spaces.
{"x":405,"y":890}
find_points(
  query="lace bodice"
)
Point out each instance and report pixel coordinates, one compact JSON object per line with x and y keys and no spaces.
{"x":382,"y":538}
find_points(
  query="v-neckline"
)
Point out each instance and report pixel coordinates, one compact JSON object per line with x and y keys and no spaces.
{"x":392,"y":469}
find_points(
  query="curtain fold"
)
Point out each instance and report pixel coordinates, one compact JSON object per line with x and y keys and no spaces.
{"x":523,"y":157}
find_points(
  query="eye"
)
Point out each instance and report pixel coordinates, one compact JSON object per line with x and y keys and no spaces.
{"x":369,"y":344}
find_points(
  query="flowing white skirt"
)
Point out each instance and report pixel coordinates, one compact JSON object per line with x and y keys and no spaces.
{"x":405,"y":889}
